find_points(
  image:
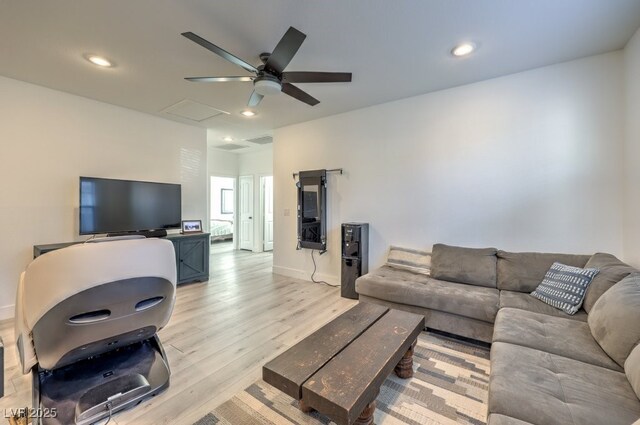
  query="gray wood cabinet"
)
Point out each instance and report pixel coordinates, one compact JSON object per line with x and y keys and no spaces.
{"x":192,"y":256}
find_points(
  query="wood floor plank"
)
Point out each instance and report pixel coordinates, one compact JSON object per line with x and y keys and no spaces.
{"x":220,"y":335}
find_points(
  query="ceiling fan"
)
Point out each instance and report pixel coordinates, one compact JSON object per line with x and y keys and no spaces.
{"x":270,"y":77}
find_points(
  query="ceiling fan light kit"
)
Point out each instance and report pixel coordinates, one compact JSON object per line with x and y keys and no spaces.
{"x":267,"y":86}
{"x":270,"y":78}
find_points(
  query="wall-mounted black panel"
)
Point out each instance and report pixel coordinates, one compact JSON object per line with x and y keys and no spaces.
{"x":312,"y":210}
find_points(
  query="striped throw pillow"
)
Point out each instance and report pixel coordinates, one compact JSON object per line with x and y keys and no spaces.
{"x":564,"y":287}
{"x":414,"y":260}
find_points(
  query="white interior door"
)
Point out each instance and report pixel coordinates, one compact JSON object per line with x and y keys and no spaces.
{"x":268,"y":213}
{"x":246,"y":213}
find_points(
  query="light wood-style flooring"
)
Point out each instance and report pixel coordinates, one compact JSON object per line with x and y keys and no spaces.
{"x":220,"y":335}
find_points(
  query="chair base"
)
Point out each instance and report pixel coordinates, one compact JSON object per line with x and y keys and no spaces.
{"x":90,"y":390}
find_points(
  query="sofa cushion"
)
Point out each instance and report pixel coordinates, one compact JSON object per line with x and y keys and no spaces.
{"x":523,"y":271}
{"x":441,"y":320}
{"x":474,"y":266}
{"x":397,"y":275}
{"x":404,"y":287}
{"x":612,"y":271}
{"x":564,"y":287}
{"x":544,"y":388}
{"x":632,"y":369}
{"x":555,"y":335}
{"x":527,"y":302}
{"x":615,"y":318}
{"x":413,"y":260}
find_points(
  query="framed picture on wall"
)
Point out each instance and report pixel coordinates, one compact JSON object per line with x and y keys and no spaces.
{"x":191,"y":226}
{"x":226,"y":201}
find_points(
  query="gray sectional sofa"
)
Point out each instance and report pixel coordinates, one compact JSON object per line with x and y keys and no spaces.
{"x":547,"y":367}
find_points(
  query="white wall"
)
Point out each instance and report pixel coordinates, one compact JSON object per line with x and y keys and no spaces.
{"x":222,"y":163}
{"x":632,"y":151}
{"x":256,"y":163}
{"x":530,"y":161}
{"x":49,"y":139}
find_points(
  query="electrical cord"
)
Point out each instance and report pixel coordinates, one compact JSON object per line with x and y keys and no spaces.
{"x":109,"y":408}
{"x":314,"y":273}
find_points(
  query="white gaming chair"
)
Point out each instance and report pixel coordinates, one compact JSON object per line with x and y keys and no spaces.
{"x":87,"y":318}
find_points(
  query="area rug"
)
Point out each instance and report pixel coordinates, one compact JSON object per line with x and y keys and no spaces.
{"x":450,"y":386}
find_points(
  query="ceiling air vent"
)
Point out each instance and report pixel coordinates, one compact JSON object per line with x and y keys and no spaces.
{"x":194,"y":111}
{"x":230,"y":147}
{"x":264,"y":140}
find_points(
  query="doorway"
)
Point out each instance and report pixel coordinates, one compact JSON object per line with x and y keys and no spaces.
{"x":266,"y":185}
{"x":255,"y":213}
{"x":222,"y":210}
{"x":245,"y":213}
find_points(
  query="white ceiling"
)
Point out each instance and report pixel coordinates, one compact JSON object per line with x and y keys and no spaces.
{"x":395,"y":49}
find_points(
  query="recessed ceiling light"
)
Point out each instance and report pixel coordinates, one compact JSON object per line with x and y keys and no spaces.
{"x":228,"y":139}
{"x":99,"y":61}
{"x":248,"y":113}
{"x":463,"y":49}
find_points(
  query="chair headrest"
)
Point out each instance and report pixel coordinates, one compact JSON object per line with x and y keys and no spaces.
{"x":57,"y":275}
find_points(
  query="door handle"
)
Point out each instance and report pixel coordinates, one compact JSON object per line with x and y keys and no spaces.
{"x":250,"y":218}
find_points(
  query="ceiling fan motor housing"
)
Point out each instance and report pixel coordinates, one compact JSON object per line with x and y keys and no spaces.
{"x":267,"y":85}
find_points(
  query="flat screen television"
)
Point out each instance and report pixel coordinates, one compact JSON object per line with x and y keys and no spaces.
{"x":121,"y":206}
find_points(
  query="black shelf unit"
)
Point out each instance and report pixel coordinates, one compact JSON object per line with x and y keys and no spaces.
{"x":355,"y":257}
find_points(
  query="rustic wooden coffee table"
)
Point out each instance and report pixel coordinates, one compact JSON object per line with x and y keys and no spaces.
{"x":339,"y":369}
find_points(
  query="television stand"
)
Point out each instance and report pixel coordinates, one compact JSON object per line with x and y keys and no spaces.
{"x":192,"y":254}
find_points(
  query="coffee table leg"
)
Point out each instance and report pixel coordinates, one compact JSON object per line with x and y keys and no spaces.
{"x":404,"y":369}
{"x":366,"y":417}
{"x":304,"y":407}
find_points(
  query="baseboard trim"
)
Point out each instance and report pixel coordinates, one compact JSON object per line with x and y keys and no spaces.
{"x":305,"y":275}
{"x":7,"y":312}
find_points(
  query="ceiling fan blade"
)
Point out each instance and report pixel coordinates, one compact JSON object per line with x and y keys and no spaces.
{"x":301,"y":95}
{"x":217,"y":79}
{"x":255,"y":99}
{"x":285,"y":50}
{"x":316,"y":77}
{"x":219,"y":51}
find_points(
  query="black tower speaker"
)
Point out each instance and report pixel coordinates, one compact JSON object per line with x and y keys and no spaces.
{"x":355,"y":256}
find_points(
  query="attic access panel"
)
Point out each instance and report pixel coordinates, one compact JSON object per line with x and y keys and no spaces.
{"x":312,"y":212}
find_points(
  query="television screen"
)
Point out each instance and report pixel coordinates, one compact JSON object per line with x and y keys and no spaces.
{"x":112,"y":206}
